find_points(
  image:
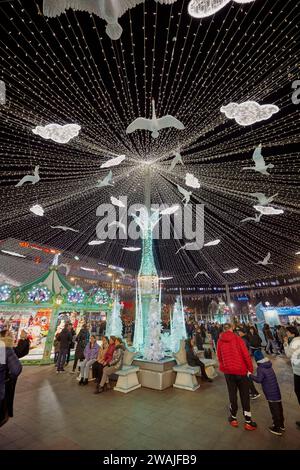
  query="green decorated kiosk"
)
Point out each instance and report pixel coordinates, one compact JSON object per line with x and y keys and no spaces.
{"x":42,"y":306}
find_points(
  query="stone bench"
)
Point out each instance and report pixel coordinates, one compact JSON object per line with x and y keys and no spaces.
{"x":186,"y":377}
{"x":209,"y":365}
{"x":127,"y":379}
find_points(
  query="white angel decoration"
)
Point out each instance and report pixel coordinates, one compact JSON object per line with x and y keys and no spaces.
{"x":155,"y":124}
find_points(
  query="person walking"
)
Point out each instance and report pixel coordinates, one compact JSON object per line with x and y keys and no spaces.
{"x":235,"y":362}
{"x":292,"y":350}
{"x":267,"y":378}
{"x":271,"y":346}
{"x":64,"y":338}
{"x":90,"y":356}
{"x":81,"y":341}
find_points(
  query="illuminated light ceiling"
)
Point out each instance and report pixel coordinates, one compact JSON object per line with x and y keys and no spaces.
{"x":68,"y":70}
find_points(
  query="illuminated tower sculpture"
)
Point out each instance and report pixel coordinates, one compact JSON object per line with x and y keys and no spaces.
{"x":147,"y":296}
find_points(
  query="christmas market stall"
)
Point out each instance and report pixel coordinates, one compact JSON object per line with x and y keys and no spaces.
{"x":43,"y":306}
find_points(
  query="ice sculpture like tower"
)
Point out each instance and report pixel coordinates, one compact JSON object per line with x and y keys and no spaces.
{"x":147,"y":282}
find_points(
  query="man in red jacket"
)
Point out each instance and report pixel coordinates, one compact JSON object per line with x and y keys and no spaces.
{"x":235,"y":362}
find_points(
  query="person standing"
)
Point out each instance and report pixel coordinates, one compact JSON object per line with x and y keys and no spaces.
{"x":292,"y":350}
{"x":22,"y":348}
{"x":64,"y":338}
{"x":235,"y":362}
{"x":81,"y":342}
{"x":10,"y":369}
{"x":72,"y":344}
{"x":254,"y":340}
{"x":271,"y":343}
{"x":267,"y":378}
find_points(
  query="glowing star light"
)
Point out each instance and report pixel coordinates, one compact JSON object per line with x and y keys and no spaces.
{"x":58,"y":133}
{"x":205,"y":8}
{"x":37,"y":210}
{"x":192,"y":181}
{"x":249,"y":112}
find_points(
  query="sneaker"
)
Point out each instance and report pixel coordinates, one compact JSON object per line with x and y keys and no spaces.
{"x":57,"y":371}
{"x":253,"y":397}
{"x":276,"y":431}
{"x":250,"y":426}
{"x":282,"y":428}
{"x":233,"y":422}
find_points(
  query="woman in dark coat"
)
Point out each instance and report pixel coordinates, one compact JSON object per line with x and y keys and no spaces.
{"x":194,"y":360}
{"x":22,"y":348}
{"x":82,"y":340}
{"x":10,"y":369}
{"x":254,"y":340}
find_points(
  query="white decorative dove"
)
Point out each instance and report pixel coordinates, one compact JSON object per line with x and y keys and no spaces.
{"x":189,"y":246}
{"x":107,"y":181}
{"x":177,"y":159}
{"x":155,"y":124}
{"x":33,"y":179}
{"x":64,"y":228}
{"x":266,"y":260}
{"x":262,"y":199}
{"x":66,"y":266}
{"x":185,"y":193}
{"x":255,"y":219}
{"x":201,"y":273}
{"x":260,"y":165}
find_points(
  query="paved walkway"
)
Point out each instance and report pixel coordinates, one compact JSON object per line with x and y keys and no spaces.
{"x":53,"y":412}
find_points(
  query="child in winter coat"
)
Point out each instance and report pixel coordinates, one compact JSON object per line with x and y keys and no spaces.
{"x":267,"y":378}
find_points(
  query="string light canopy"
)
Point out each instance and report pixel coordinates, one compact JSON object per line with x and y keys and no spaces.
{"x":66,"y":70}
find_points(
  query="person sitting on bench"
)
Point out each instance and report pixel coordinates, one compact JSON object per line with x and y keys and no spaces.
{"x":193,"y":360}
{"x":114,"y":365}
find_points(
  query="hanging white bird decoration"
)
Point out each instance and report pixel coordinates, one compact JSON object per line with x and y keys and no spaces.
{"x":155,"y":124}
{"x":259,"y":161}
{"x":185,"y":193}
{"x":254,"y":219}
{"x":265,"y":261}
{"x":33,"y":179}
{"x":201,"y":273}
{"x":177,"y":159}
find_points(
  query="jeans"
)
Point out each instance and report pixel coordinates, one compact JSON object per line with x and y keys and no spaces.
{"x":61,"y":360}
{"x":297,"y":386}
{"x":98,"y":371}
{"x":252,"y":388}
{"x":85,"y":367}
{"x":271,"y":344}
{"x":239,"y":383}
{"x":277,"y":413}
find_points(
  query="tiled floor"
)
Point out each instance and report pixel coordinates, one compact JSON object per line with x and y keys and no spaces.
{"x":53,"y":412}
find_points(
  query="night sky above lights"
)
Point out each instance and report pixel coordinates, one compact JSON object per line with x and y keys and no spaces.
{"x":66,"y":70}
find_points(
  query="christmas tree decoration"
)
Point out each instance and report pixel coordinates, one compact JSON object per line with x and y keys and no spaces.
{"x":76,"y":295}
{"x":58,"y":133}
{"x":178,"y":330}
{"x":114,"y":322}
{"x":5,"y":293}
{"x":39,"y":294}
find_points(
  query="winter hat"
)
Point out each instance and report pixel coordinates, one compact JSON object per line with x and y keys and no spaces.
{"x":258,"y":355}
